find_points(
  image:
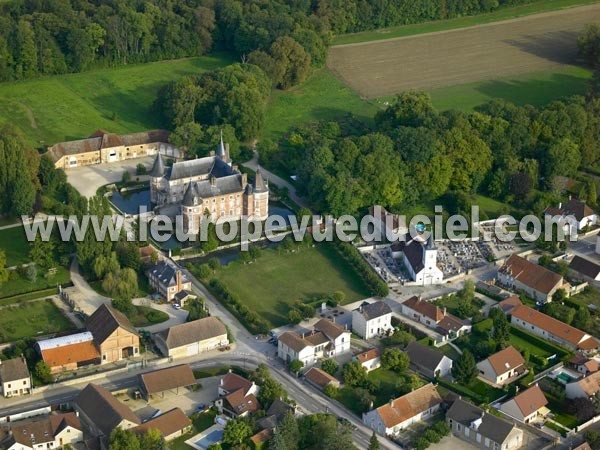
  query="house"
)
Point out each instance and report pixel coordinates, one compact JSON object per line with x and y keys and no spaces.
{"x":583,"y":365}
{"x":502,"y":367}
{"x":372,"y":319}
{"x":170,"y":379}
{"x":481,"y":429}
{"x":100,"y":413}
{"x":237,"y":396}
{"x":275,"y":414}
{"x":427,"y":361}
{"x":574,"y":212}
{"x":552,"y":329}
{"x":419,"y":257}
{"x":320,"y":379}
{"x":584,"y":387}
{"x":53,"y":431}
{"x":192,"y":338}
{"x":168,"y":281}
{"x":208,"y":188}
{"x":536,"y":281}
{"x":448,"y":326}
{"x":369,"y":359}
{"x":171,"y":424}
{"x":527,"y":406}
{"x":400,"y":413}
{"x":114,"y":335}
{"x":328,"y":339}
{"x":69,"y":352}
{"x":184,"y":296}
{"x":105,"y":147}
{"x":584,"y":268}
{"x":508,"y":304}
{"x":14,"y":377}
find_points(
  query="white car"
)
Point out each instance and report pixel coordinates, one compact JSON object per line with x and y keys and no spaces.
{"x":176,"y":306}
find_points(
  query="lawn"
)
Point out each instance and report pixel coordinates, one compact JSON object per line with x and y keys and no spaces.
{"x":477,"y":390}
{"x":68,"y":107}
{"x":147,"y":316}
{"x":461,"y":22}
{"x":321,"y":97}
{"x":200,"y":422}
{"x":44,"y":281}
{"x":32,"y":319}
{"x":589,"y":296}
{"x":537,"y":88}
{"x":14,"y":242}
{"x":276,"y":279}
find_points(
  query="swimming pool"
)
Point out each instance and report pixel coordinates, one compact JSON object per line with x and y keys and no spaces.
{"x":212,"y":437}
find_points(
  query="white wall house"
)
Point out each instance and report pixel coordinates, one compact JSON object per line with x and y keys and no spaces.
{"x":372,"y":319}
{"x":502,"y":367}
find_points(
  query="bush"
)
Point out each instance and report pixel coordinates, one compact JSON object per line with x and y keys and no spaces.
{"x":140,"y":169}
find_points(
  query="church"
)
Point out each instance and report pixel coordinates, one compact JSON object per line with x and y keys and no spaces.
{"x":210,"y":187}
{"x":420,"y":259}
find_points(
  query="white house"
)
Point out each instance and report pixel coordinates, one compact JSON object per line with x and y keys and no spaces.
{"x":14,"y":377}
{"x":502,"y":367}
{"x":400,"y":413}
{"x":585,"y":387}
{"x":369,"y":359}
{"x":327,"y":340}
{"x":53,"y":431}
{"x":527,"y":406}
{"x":575,"y":211}
{"x":237,"y":396}
{"x":420,"y":259}
{"x":428,"y":361}
{"x":536,"y":281}
{"x":371,"y":319}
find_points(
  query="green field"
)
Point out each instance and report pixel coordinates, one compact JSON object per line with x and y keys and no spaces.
{"x":43,"y":281}
{"x":276,"y":279}
{"x":536,"y":7}
{"x":538,"y":89}
{"x":321,"y":97}
{"x":68,"y":107}
{"x":14,"y":243}
{"x":32,"y":319}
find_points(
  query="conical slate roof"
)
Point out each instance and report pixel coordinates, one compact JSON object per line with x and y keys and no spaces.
{"x":158,"y":169}
{"x":259,"y":182}
{"x":221,"y":148}
{"x":188,"y":197}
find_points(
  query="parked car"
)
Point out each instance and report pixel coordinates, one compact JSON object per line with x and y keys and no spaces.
{"x":176,"y":306}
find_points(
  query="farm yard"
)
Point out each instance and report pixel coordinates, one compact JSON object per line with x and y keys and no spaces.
{"x":543,"y":42}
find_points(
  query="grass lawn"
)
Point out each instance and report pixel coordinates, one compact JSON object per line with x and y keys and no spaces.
{"x":321,"y":97}
{"x":23,"y":285}
{"x":200,"y":422}
{"x":589,"y":296}
{"x":461,"y":22}
{"x":271,"y":284}
{"x":32,"y":319}
{"x":477,"y":390}
{"x":14,"y":242}
{"x":493,"y":208}
{"x":147,"y":316}
{"x":67,"y":107}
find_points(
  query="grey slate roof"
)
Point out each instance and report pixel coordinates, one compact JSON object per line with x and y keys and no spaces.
{"x":423,"y":356}
{"x":195,"y":331}
{"x":13,"y":370}
{"x":158,"y":168}
{"x":223,"y":185}
{"x":201,"y":166}
{"x":491,"y":426}
{"x":188,"y":197}
{"x":259,"y":182}
{"x":585,"y":267}
{"x":165,"y":273}
{"x":374,"y":310}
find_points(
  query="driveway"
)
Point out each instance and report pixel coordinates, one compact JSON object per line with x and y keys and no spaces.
{"x":176,"y":316}
{"x":87,"y":179}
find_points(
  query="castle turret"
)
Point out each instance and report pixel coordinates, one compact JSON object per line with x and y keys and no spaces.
{"x":158,"y":168}
{"x":223,"y":150}
{"x":259,"y":182}
{"x":191,"y":210}
{"x":157,"y":174}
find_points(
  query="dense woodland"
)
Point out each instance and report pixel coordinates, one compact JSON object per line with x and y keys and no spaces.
{"x":46,"y":37}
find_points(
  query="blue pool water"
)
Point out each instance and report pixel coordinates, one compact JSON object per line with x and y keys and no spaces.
{"x":211,"y":438}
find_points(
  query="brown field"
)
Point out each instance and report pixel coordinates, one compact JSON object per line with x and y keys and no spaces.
{"x":484,"y":52}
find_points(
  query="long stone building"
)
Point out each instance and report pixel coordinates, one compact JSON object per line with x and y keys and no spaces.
{"x":210,"y":187}
{"x":105,"y":147}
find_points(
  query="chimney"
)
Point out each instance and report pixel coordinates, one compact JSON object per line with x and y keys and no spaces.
{"x":234,"y":167}
{"x":559,"y":205}
{"x":444,"y":311}
{"x":244,"y":180}
{"x":213,"y":181}
{"x":569,"y":196}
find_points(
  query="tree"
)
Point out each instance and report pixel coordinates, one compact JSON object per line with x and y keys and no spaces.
{"x":330,"y":366}
{"x":465,"y":368}
{"x":42,"y":373}
{"x":294,"y":317}
{"x":296,"y":365}
{"x":3,"y":271}
{"x":121,"y":285}
{"x":582,"y":408}
{"x":394,"y":359}
{"x":124,"y":440}
{"x":126,"y":178}
{"x":582,"y":318}
{"x":501,"y":330}
{"x":270,"y":390}
{"x":354,"y":374}
{"x":331,"y":391}
{"x":188,"y":137}
{"x":288,"y":428}
{"x":373,"y":442}
{"x":23,"y":194}
{"x":42,"y":253}
{"x":153,"y":440}
{"x":128,"y":254}
{"x":236,"y":431}
{"x":32,"y":272}
{"x":197,"y":309}
{"x":592,"y":437}
{"x":293,"y":62}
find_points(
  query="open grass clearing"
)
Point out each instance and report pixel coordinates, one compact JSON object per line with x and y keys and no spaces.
{"x":506,"y":13}
{"x":31,"y":319}
{"x":67,"y":107}
{"x":543,"y":42}
{"x":14,"y":243}
{"x":277,"y":278}
{"x":43,"y":281}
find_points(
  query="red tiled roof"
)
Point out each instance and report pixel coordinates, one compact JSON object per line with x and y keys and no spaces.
{"x":319,"y":377}
{"x":531,"y":400}
{"x":505,"y":360}
{"x":409,"y":405}
{"x":75,"y":353}
{"x":368,"y":355}
{"x":530,"y":274}
{"x":425,"y":308}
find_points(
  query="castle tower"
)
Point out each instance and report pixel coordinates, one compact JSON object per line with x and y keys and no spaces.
{"x":260,"y":208}
{"x":223,"y":151}
{"x":157,"y":174}
{"x":191,"y":210}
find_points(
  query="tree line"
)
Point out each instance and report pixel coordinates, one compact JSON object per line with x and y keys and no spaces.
{"x":286,"y":39}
